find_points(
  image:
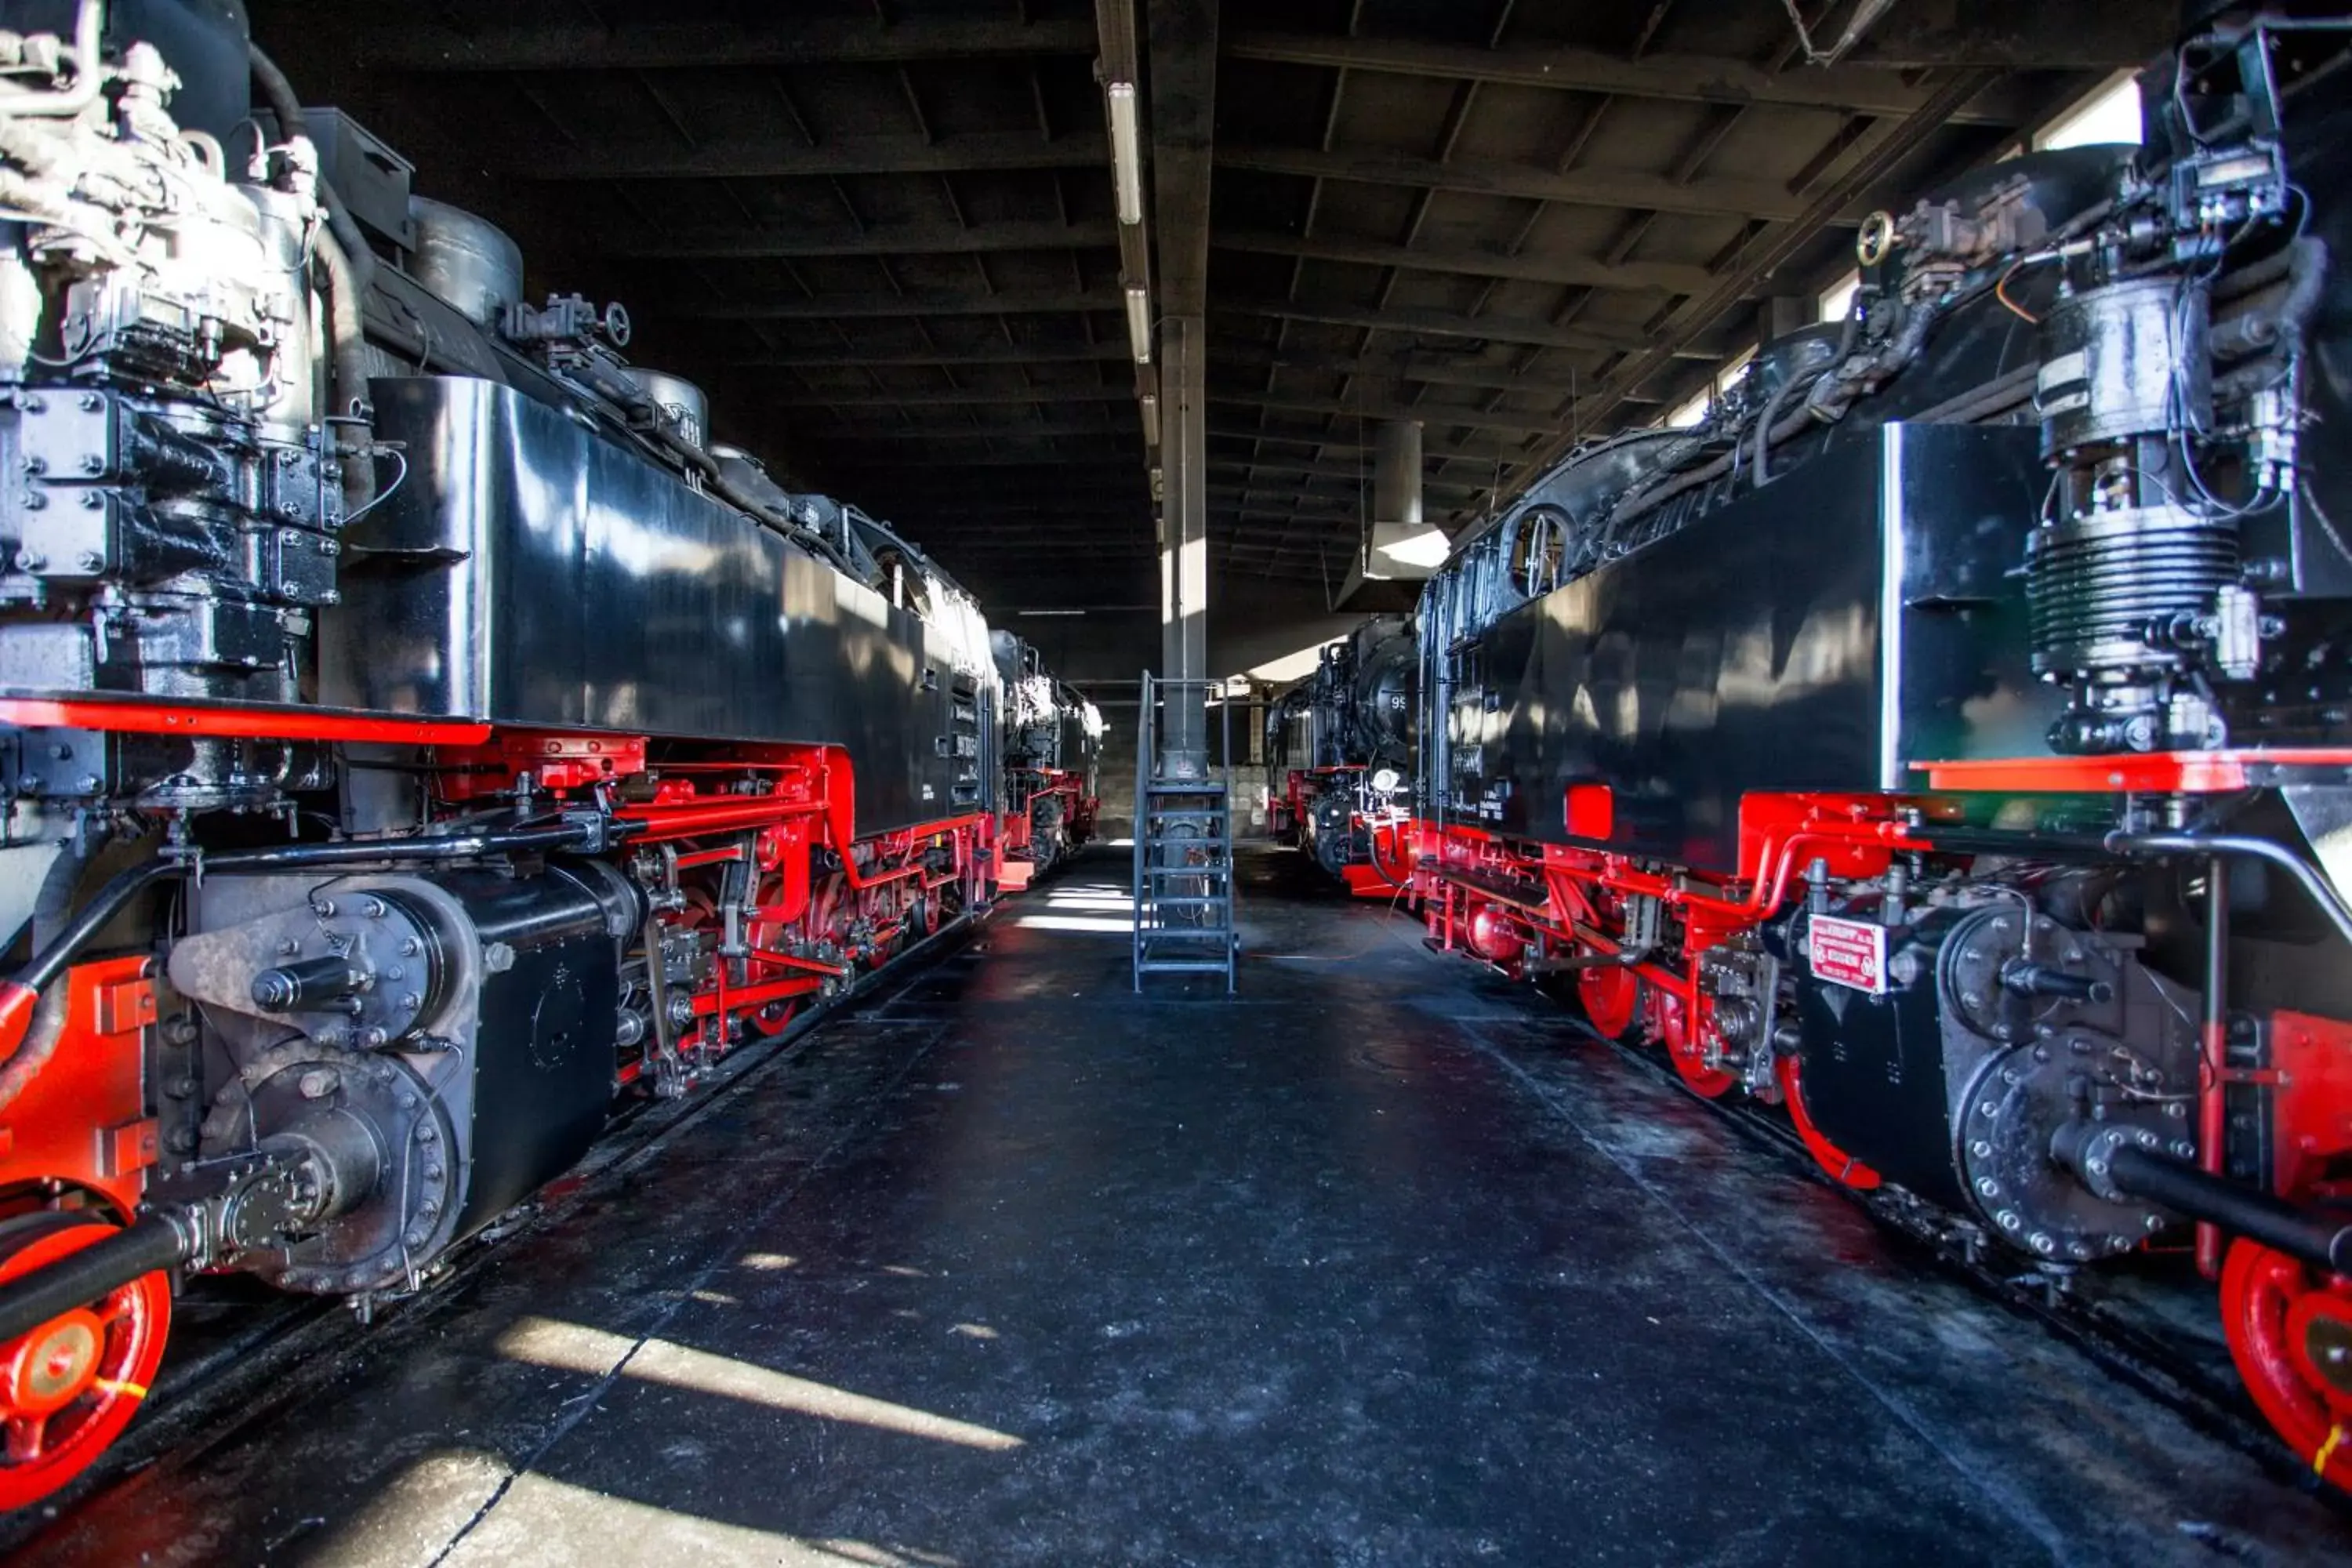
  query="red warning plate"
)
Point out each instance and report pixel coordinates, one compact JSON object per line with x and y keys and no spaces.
{"x":1850,"y":953}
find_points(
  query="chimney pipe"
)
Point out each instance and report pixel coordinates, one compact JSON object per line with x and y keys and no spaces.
{"x":1396,"y":479}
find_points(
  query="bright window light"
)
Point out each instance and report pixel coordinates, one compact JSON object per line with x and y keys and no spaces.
{"x":1691,"y":413}
{"x":1734,"y":371}
{"x":2109,"y":115}
{"x":1837,"y":300}
{"x":1291,"y":665}
{"x":1428,"y":548}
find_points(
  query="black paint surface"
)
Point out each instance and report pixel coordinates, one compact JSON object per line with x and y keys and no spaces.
{"x":1375,"y":1264}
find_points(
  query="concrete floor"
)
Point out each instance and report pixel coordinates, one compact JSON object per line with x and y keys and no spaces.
{"x":1375,"y":1264}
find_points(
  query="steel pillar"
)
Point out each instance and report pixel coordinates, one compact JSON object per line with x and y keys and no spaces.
{"x":1184,"y":547}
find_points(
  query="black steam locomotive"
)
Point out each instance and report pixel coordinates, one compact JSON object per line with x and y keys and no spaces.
{"x":1053,"y":747}
{"x":1339,"y":746}
{"x":416,"y":731}
{"x":1947,"y":738}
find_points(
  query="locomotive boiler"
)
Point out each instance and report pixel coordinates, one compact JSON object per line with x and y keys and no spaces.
{"x":1946,"y":739}
{"x":1052,"y":750}
{"x":417,"y":729}
{"x":1340,"y":752}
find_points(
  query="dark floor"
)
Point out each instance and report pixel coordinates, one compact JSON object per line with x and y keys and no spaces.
{"x":1375,"y":1264}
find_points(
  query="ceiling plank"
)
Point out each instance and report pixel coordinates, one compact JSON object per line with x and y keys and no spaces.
{"x":914,"y":302}
{"x":740,"y":242}
{"x":1443,"y":323}
{"x":772,"y":156}
{"x":1617,"y":189}
{"x":1576,"y":271}
{"x":1424,"y":371}
{"x":879,"y":432}
{"x":1440,"y":415}
{"x":942,"y":398}
{"x":1690,"y":79}
{"x":1509,"y":456}
{"x":409,"y":42}
{"x":986,"y":353}
{"x":1310,"y":472}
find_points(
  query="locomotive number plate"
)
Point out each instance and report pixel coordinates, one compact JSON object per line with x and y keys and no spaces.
{"x":1850,"y":953}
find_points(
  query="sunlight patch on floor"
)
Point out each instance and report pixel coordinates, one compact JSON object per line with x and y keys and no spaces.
{"x":574,"y":1347}
{"x":544,"y":1520}
{"x":1121,"y":925}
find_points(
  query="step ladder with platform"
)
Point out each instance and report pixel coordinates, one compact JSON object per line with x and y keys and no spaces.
{"x":1183,"y":846}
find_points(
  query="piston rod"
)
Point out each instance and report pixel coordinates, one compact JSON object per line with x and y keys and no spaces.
{"x":152,"y":1243}
{"x":2310,"y":1236}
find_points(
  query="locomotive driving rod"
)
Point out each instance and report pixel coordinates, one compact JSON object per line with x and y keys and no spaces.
{"x":2310,"y":1236}
{"x":155,"y":1241}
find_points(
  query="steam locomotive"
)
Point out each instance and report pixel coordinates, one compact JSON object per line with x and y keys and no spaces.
{"x":1341,"y":743}
{"x":416,"y":731}
{"x":1946,"y":739}
{"x":1053,"y":748}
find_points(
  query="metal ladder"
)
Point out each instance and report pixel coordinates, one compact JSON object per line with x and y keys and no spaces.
{"x":1183,"y":850}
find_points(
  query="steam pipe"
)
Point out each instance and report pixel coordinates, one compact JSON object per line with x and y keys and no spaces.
{"x":2245,"y":846}
{"x":29,"y":101}
{"x":351,"y":269}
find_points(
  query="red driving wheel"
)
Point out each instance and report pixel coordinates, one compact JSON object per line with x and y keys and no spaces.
{"x":1841,"y":1165}
{"x":764,"y":933}
{"x":69,"y":1387}
{"x":1611,"y":997}
{"x":1687,"y":1050}
{"x":2290,"y":1330}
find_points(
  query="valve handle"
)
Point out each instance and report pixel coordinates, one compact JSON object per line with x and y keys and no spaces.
{"x":1876,"y":240}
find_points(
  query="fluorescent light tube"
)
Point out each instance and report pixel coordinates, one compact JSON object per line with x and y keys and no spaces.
{"x":1126,"y":152}
{"x":1138,"y":322}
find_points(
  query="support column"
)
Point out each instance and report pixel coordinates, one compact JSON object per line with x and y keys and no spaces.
{"x":1184,"y":545}
{"x":1184,"y":57}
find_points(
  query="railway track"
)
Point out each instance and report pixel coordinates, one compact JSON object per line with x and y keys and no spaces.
{"x":241,"y":1352}
{"x":2117,"y":1321}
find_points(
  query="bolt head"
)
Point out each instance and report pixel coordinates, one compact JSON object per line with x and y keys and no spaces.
{"x":317,"y":1083}
{"x":2008,"y":1219}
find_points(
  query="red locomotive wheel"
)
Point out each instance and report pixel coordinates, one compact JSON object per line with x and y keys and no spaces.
{"x":68,"y":1388}
{"x":1687,"y":1051}
{"x":767,"y":935}
{"x":2291,"y":1334}
{"x":1611,"y":998}
{"x":1841,"y":1165}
